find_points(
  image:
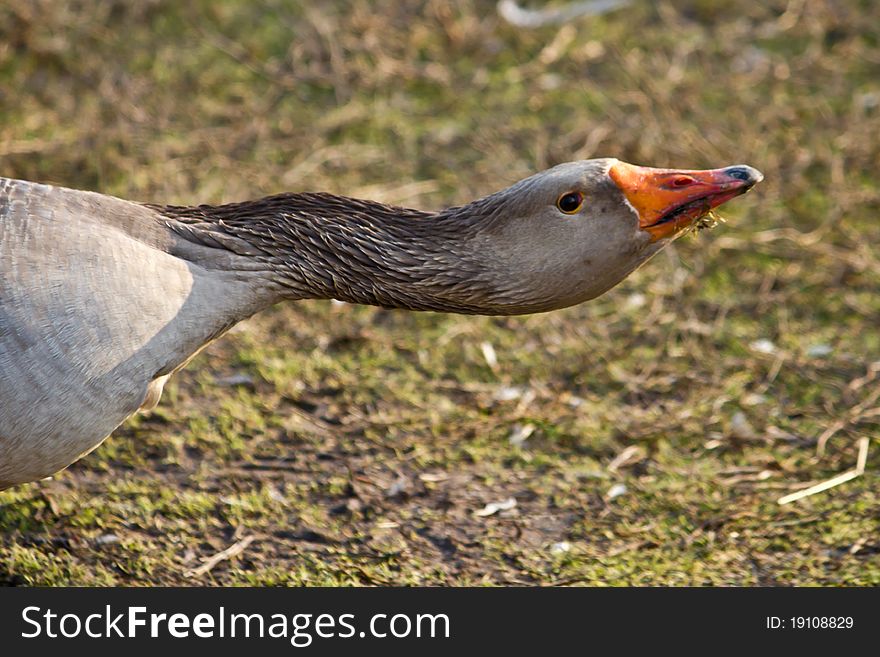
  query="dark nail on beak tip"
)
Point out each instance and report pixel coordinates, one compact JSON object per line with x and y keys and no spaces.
{"x":745,"y":173}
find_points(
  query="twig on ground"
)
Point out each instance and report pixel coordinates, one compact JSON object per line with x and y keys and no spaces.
{"x":834,"y":481}
{"x":516,"y":15}
{"x":232,"y":551}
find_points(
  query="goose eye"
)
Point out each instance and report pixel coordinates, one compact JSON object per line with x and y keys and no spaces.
{"x":571,"y":202}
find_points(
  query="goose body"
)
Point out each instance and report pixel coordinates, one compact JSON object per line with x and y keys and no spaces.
{"x":102,"y":299}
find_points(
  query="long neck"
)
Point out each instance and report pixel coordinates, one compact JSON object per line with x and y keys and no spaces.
{"x":322,"y":246}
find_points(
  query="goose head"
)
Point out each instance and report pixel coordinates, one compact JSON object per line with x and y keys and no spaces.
{"x":570,"y":233}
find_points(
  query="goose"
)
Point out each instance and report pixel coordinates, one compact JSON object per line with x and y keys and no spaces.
{"x":103,"y":299}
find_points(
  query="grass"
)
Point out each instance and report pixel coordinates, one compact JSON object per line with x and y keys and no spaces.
{"x":355,"y":444}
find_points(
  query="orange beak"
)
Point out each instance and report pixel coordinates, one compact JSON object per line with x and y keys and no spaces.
{"x":670,"y":200}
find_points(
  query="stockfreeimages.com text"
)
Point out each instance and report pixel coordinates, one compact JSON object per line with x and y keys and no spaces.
{"x":299,"y":629}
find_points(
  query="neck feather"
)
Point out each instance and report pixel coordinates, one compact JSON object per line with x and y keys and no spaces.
{"x":322,"y":246}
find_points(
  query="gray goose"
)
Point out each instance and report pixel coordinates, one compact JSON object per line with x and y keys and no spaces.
{"x":102,"y":299}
